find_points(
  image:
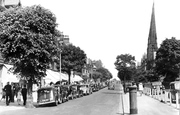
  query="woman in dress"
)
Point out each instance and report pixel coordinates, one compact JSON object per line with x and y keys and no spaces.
{"x":19,"y":96}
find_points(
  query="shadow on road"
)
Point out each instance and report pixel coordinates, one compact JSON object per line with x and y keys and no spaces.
{"x":122,"y":113}
{"x":111,"y":92}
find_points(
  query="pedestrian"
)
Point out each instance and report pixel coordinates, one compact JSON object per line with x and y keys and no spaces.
{"x":19,"y":96}
{"x":140,"y":88}
{"x":3,"y":95}
{"x":7,"y":89}
{"x":24,"y":94}
{"x":12,"y":92}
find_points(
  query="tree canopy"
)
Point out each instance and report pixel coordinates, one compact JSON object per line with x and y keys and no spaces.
{"x":28,"y":40}
{"x":125,"y":64}
{"x":168,"y":59}
{"x":105,"y":73}
{"x":73,"y":59}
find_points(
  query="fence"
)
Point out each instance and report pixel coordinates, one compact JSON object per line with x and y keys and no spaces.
{"x":164,"y":95}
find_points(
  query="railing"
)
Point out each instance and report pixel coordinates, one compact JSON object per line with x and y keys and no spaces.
{"x":164,"y":95}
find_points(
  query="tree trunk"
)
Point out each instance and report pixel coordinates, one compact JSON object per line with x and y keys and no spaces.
{"x":29,"y":102}
{"x":69,"y":79}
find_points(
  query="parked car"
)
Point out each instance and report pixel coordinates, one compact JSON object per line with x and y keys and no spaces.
{"x":174,"y":87}
{"x":64,"y":92}
{"x":94,"y":87}
{"x":48,"y":95}
{"x":71,"y":92}
{"x":78,"y":91}
{"x":86,"y":88}
{"x":111,"y":86}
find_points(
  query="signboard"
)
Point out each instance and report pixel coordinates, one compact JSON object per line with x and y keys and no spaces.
{"x":156,"y":83}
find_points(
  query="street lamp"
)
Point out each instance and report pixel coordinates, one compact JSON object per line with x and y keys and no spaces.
{"x":60,"y":51}
{"x":60,"y":66}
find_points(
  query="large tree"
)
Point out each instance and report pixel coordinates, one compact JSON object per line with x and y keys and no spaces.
{"x":73,"y":59}
{"x":125,"y":64}
{"x":168,"y":59}
{"x":27,"y":41}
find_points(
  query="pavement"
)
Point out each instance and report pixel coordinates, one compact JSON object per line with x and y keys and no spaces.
{"x":146,"y":106}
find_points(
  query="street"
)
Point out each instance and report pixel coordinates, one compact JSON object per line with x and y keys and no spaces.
{"x":103,"y":102}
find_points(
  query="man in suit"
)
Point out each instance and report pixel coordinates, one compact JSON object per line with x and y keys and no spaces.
{"x":7,"y":89}
{"x":24,"y":94}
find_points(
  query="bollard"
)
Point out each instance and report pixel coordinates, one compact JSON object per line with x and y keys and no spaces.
{"x":177,"y":100}
{"x":133,"y":99}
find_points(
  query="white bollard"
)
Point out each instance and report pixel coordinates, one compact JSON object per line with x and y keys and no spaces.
{"x":149,"y":91}
{"x":170,"y":101}
{"x":177,"y":100}
{"x":165,"y":97}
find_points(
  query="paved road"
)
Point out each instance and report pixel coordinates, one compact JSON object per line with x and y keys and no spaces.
{"x":103,"y":102}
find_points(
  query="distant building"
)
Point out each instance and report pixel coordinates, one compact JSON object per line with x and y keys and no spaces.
{"x":152,"y":41}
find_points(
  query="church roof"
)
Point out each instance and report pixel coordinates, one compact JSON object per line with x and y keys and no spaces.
{"x":152,"y":39}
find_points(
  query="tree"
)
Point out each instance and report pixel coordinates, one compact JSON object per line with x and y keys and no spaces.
{"x":98,"y":63}
{"x":105,"y":73}
{"x":27,"y":41}
{"x":125,"y":64}
{"x":73,"y":59}
{"x":168,"y":59}
{"x":96,"y":75}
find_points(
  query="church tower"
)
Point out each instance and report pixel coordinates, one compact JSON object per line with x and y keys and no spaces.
{"x":152,"y":39}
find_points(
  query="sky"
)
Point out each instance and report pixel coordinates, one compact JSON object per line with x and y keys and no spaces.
{"x":105,"y":29}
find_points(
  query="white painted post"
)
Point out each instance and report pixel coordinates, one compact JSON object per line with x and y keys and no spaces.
{"x":149,"y":91}
{"x":177,"y":100}
{"x":170,"y":98}
{"x":162,"y":95}
{"x":165,"y":99}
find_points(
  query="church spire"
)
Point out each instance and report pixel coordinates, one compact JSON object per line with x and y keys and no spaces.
{"x":152,"y":39}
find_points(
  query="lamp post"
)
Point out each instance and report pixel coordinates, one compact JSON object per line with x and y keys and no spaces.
{"x":60,"y":66}
{"x":60,"y":43}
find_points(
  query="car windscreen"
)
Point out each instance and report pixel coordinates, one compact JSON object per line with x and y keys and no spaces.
{"x":44,"y":94}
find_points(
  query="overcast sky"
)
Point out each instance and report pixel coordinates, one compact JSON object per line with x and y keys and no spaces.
{"x":107,"y":28}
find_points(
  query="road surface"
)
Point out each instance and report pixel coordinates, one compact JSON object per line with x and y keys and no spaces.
{"x":103,"y":102}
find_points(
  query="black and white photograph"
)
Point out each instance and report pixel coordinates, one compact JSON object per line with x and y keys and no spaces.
{"x":90,"y":57}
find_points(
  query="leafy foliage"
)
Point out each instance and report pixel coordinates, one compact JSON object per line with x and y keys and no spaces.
{"x":168,"y":59}
{"x":125,"y":65}
{"x":28,"y":40}
{"x":105,"y":73}
{"x":96,"y":75}
{"x":73,"y":58}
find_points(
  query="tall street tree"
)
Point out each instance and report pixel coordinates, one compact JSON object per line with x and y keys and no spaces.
{"x":73,"y":59}
{"x":168,"y":59}
{"x":125,"y":64}
{"x":27,"y":41}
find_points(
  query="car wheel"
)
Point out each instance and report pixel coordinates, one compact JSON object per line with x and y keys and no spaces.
{"x":61,"y":100}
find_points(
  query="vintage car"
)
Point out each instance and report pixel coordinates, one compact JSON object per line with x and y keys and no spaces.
{"x":174,"y":87}
{"x":73,"y":91}
{"x":79,"y":90}
{"x":111,"y":86}
{"x":86,"y":88}
{"x":48,"y":95}
{"x":65,"y":93}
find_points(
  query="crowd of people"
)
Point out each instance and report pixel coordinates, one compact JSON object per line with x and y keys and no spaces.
{"x":12,"y":91}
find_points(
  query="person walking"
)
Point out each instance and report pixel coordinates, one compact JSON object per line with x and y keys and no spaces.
{"x":3,"y":95}
{"x":19,"y":96}
{"x":7,"y":89}
{"x":140,"y":88}
{"x":24,"y":94}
